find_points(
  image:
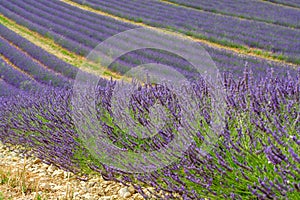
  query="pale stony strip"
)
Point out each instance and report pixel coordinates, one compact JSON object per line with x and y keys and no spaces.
{"x":49,"y":182}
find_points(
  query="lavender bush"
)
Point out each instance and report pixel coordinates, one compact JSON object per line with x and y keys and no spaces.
{"x":256,"y":156}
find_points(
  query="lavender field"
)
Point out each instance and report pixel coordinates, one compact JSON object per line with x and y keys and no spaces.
{"x":253,"y":10}
{"x":254,"y":46}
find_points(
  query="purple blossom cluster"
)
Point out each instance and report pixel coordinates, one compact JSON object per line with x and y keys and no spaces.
{"x":40,"y":121}
{"x":140,"y":103}
{"x":253,"y":10}
{"x":222,"y":29}
{"x":256,"y":155}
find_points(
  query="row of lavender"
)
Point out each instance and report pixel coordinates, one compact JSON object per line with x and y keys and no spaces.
{"x":225,"y":30}
{"x":256,"y":156}
{"x":7,"y":89}
{"x":30,"y":67}
{"x":71,"y":28}
{"x":15,"y":77}
{"x":38,"y":53}
{"x":255,"y":10}
{"x":292,"y":3}
{"x":81,"y":31}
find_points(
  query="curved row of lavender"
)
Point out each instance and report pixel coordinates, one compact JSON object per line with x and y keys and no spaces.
{"x":225,"y":30}
{"x":16,"y":78}
{"x":31,"y":67}
{"x":80,"y":31}
{"x":7,"y":89}
{"x":38,"y":53}
{"x":292,"y":3}
{"x":255,"y":10}
{"x":256,"y":156}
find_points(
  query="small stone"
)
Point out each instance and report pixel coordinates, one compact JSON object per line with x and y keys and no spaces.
{"x":138,"y":197}
{"x":81,"y":192}
{"x":76,"y":194}
{"x":14,"y":159}
{"x":45,"y":186}
{"x":113,"y":197}
{"x":131,"y":189}
{"x":123,"y":191}
{"x":57,"y":173}
{"x":37,"y":161}
{"x":31,"y":180}
{"x":13,"y":154}
{"x":87,"y":197}
{"x":116,"y":188}
{"x":105,"y":183}
{"x":126,"y":195}
{"x":96,"y":180}
{"x":51,"y":169}
{"x":105,"y":198}
{"x":68,"y":175}
{"x":82,"y":183}
{"x":57,"y":187}
{"x":86,"y":189}
{"x":44,"y":166}
{"x":37,"y":193}
{"x":92,"y":184}
{"x":100,"y":192}
{"x":42,"y":173}
{"x":43,"y":179}
{"x":107,"y":189}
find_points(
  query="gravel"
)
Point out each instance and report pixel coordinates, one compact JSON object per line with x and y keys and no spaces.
{"x":49,"y":182}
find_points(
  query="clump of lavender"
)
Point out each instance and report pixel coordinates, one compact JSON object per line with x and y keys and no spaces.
{"x":256,"y":156}
{"x":258,"y":151}
{"x":41,"y":122}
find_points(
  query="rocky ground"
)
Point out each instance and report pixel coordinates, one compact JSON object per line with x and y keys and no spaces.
{"x":26,"y":178}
